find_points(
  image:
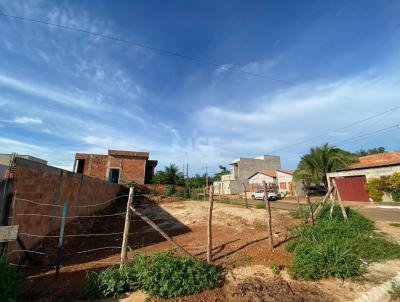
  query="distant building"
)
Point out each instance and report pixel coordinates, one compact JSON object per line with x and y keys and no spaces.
{"x":351,"y":180}
{"x":6,"y":159}
{"x":117,"y":166}
{"x":279,"y":179}
{"x":242,"y":169}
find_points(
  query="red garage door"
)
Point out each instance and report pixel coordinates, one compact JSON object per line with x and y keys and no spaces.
{"x":352,"y":188}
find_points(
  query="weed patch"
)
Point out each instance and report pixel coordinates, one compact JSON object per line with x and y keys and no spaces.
{"x":395,"y":224}
{"x":10,"y":282}
{"x":161,"y":274}
{"x":338,"y":248}
{"x":261,"y":206}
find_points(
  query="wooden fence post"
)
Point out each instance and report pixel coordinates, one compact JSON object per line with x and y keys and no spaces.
{"x":245,"y":195}
{"x":271,"y":239}
{"x":162,"y":233}
{"x":311,"y":209}
{"x":127,"y":225}
{"x":209,"y":231}
{"x":60,"y":239}
{"x":340,"y":201}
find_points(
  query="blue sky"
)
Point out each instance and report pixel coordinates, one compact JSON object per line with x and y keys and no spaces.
{"x":63,"y":92}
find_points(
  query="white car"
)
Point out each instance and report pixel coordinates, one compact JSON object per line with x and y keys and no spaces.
{"x":259,"y":194}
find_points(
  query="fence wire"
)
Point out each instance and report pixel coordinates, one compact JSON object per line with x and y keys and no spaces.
{"x":81,"y":235}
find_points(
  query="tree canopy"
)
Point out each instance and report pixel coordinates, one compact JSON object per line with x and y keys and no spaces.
{"x":170,"y":176}
{"x":222,"y":171}
{"x":321,"y":160}
{"x":371,"y":151}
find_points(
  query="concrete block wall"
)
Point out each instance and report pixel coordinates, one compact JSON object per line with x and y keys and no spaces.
{"x":49,"y":185}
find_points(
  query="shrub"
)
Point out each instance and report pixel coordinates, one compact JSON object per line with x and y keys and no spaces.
{"x":10,"y":282}
{"x":374,"y":189}
{"x":396,"y":196}
{"x":165,"y":275}
{"x":169,"y":190}
{"x":261,"y":206}
{"x":395,"y":290}
{"x":111,"y":282}
{"x":394,"y":182}
{"x":161,"y":274}
{"x":335,"y":247}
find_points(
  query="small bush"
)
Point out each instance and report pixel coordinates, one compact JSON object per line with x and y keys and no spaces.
{"x":395,"y":290}
{"x":10,"y":282}
{"x":337,"y":248}
{"x":161,"y":274}
{"x":395,"y":224}
{"x":275,"y":268}
{"x":111,"y":282}
{"x":374,"y":189}
{"x":396,"y":196}
{"x":169,"y":190}
{"x":261,"y":206}
{"x":165,"y":275}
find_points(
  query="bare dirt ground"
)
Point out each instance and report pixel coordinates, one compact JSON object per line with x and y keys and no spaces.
{"x":240,"y":247}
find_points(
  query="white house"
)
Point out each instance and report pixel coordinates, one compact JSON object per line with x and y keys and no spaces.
{"x":281,"y":179}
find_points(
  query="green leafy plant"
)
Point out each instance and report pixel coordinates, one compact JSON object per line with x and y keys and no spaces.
{"x":111,"y":282}
{"x":374,"y":189}
{"x":395,"y":224}
{"x":169,"y":190}
{"x":337,"y":247}
{"x":10,"y":282}
{"x":395,"y":290}
{"x":165,"y":275}
{"x":161,"y":274}
{"x":261,"y":206}
{"x":275,"y":268}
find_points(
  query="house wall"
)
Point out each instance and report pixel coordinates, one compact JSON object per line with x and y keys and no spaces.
{"x":287,"y":179}
{"x":49,"y":185}
{"x":259,"y":178}
{"x":368,"y":173}
{"x":132,"y":168}
{"x":250,"y":166}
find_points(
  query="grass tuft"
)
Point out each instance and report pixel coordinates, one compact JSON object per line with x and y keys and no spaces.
{"x":10,"y":282}
{"x":337,"y":248}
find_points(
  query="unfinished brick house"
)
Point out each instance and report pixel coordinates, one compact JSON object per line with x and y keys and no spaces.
{"x":117,"y":166}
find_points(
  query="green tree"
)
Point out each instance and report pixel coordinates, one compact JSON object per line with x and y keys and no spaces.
{"x":370,"y":151}
{"x":321,"y":160}
{"x":222,"y":171}
{"x":170,"y":176}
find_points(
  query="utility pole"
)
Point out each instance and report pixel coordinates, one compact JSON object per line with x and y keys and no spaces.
{"x":206,"y":177}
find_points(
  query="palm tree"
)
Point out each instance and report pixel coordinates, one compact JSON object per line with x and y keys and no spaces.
{"x":172,"y":175}
{"x":321,"y":160}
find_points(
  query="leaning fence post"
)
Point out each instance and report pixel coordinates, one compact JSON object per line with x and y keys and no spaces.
{"x":245,"y":195}
{"x":127,"y":224}
{"x":271,"y":239}
{"x":60,"y":239}
{"x":209,"y":231}
{"x":311,"y":209}
{"x":340,"y":201}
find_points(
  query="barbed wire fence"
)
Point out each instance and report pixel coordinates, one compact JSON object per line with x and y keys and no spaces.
{"x":63,"y":230}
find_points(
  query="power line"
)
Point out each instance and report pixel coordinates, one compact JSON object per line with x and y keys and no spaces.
{"x":194,"y":59}
{"x":359,"y":137}
{"x":367,"y":134}
{"x":157,"y":49}
{"x":337,"y":129}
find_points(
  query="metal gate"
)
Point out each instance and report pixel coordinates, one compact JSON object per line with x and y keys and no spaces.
{"x":352,"y":188}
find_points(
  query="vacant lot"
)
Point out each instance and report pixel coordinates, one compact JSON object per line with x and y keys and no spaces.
{"x":240,"y":247}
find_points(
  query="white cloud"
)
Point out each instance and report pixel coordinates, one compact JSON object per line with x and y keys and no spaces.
{"x":26,"y":120}
{"x":22,"y":147}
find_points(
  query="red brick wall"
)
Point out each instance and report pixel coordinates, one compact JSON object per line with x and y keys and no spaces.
{"x":132,"y":167}
{"x":50,"y":185}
